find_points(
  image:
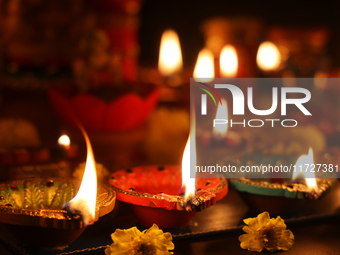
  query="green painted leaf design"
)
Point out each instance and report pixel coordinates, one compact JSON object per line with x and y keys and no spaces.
{"x":6,"y":198}
{"x":68,"y":193}
{"x":33,"y":196}
{"x":63,"y":194}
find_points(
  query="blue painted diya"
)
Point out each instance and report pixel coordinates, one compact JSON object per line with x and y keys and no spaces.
{"x":288,"y":190}
{"x":32,"y":210}
{"x":277,"y":195}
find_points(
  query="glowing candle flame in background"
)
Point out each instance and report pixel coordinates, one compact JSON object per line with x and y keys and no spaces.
{"x":64,"y":140}
{"x":308,"y":175}
{"x":84,"y":202}
{"x":187,"y":182}
{"x":228,"y":61}
{"x":268,"y":57}
{"x":170,"y":55}
{"x":220,"y":131}
{"x":204,"y":68}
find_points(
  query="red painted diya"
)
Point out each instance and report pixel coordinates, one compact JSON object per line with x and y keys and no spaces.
{"x":124,"y":113}
{"x":155,"y":194}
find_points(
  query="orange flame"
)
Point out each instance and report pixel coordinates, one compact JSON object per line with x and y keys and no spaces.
{"x":228,"y":61}
{"x":302,"y":172}
{"x":170,"y":55}
{"x":64,"y":140}
{"x":204,"y":69}
{"x":220,"y":131}
{"x":187,"y":182}
{"x":85,"y":200}
{"x":268,"y":57}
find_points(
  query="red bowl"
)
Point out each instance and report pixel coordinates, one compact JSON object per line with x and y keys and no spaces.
{"x":124,"y":113}
{"x":154,"y":193}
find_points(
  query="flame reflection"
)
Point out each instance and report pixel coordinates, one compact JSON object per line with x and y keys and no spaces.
{"x":220,"y":131}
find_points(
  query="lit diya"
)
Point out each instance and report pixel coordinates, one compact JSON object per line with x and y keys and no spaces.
{"x":155,"y":193}
{"x":45,"y":213}
{"x":45,"y":162}
{"x":39,"y":155}
{"x":170,"y":77}
{"x":65,"y":148}
{"x":280,"y":196}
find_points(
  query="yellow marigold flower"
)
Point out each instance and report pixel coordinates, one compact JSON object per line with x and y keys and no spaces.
{"x":131,"y":241}
{"x":265,"y":233}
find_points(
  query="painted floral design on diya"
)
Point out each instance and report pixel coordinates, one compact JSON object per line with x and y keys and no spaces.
{"x":126,"y":112}
{"x":156,"y":196}
{"x":32,"y":210}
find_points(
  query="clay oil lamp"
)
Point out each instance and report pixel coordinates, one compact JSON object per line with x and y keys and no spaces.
{"x":169,"y":76}
{"x":155,"y":193}
{"x":41,"y":154}
{"x":170,"y":62}
{"x":65,"y":148}
{"x":97,"y":115}
{"x":43,"y":161}
{"x":285,"y":195}
{"x":114,"y":118}
{"x":50,"y":213}
{"x":20,"y":156}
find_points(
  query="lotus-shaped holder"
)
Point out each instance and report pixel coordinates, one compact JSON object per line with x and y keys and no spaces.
{"x":124,"y":113}
{"x":154,"y":194}
{"x":32,"y":210}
